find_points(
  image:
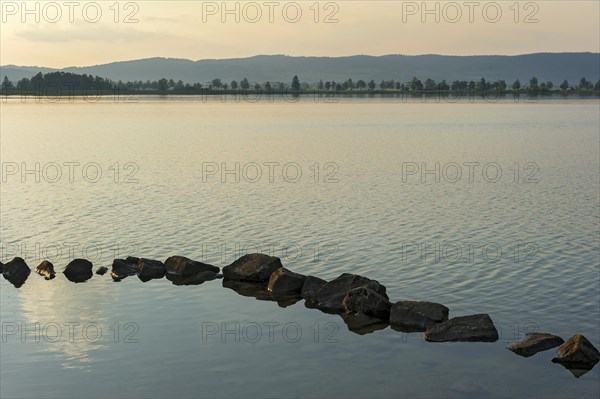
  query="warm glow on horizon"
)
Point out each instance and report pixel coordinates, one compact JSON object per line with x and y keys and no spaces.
{"x":194,"y":30}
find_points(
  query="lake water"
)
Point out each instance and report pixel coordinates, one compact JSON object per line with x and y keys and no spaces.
{"x":329,"y":188}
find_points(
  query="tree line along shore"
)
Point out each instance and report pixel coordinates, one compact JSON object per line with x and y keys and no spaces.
{"x":70,"y":84}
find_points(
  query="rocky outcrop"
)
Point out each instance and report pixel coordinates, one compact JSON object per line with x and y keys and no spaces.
{"x":149,"y":269}
{"x":182,"y":266}
{"x":474,"y":328}
{"x":311,"y":285}
{"x":285,"y":282}
{"x":122,"y":268}
{"x":78,"y":270}
{"x":412,"y":316}
{"x":577,"y":353}
{"x":330,"y":297}
{"x":364,"y":300}
{"x":534,"y":343}
{"x":16,"y":272}
{"x":46,"y":269}
{"x":252,"y":268}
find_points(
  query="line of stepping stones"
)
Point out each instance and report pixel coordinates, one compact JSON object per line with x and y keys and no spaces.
{"x":362,"y":302}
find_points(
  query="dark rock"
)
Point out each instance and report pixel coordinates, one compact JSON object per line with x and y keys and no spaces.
{"x":359,"y":323}
{"x":365,"y":300}
{"x":259,"y":291}
{"x":148,"y":269}
{"x":46,"y":269}
{"x":102,"y":270}
{"x":311,"y":285}
{"x":122,"y":268}
{"x":330,"y":297}
{"x":285,"y":282}
{"x":417,"y":316}
{"x":196,"y":279}
{"x":16,"y":272}
{"x":577,"y":354}
{"x":474,"y":328}
{"x":132,"y":259}
{"x":182,"y":266}
{"x":534,"y":343}
{"x":252,"y":267}
{"x":1,"y":267}
{"x":78,"y":270}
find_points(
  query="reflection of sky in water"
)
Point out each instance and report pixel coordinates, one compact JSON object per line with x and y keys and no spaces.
{"x":369,"y":214}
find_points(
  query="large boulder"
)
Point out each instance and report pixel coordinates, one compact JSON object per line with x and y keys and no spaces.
{"x":1,"y":267}
{"x":474,"y":328}
{"x":285,"y":282}
{"x":16,"y":272}
{"x":534,"y":343}
{"x":366,"y":301}
{"x":46,"y":269}
{"x":330,"y":297}
{"x":149,"y":269}
{"x":122,"y":268}
{"x":252,"y":267}
{"x":78,"y":270}
{"x":577,"y":353}
{"x":182,"y":266}
{"x":417,"y":316}
{"x":311,"y":285}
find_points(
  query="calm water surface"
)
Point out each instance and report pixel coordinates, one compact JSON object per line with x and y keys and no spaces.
{"x":527,"y":253}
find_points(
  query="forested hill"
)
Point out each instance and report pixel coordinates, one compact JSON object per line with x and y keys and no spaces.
{"x":554,"y":67}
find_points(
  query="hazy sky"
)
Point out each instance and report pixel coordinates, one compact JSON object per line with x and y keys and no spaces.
{"x":195,"y":29}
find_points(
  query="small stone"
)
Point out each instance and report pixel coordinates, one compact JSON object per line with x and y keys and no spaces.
{"x":46,"y":269}
{"x":101,"y":270}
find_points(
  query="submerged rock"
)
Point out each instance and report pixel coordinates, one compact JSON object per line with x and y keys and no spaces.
{"x":578,"y":355}
{"x":252,"y":267}
{"x":311,"y":285}
{"x":122,"y":268}
{"x":149,"y":269}
{"x":196,"y":279}
{"x":16,"y":272}
{"x":285,"y":282}
{"x":330,"y":297}
{"x":474,"y":328}
{"x":182,"y":266}
{"x":78,"y":270}
{"x":46,"y":269}
{"x":259,"y":291}
{"x":366,"y":301}
{"x":358,"y":323}
{"x":102,"y":270}
{"x":534,"y":343}
{"x":417,"y":316}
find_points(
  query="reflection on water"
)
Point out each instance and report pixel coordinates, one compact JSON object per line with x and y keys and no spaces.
{"x":529,"y":251}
